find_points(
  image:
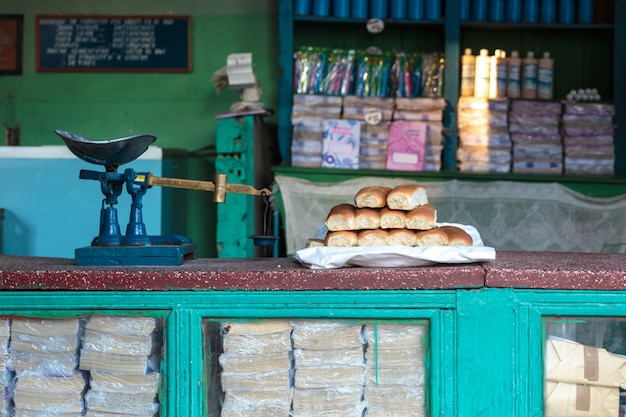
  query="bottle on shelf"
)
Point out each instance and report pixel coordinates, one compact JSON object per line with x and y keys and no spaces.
{"x":321,"y":7}
{"x":479,"y":9}
{"x":529,"y":76}
{"x":514,"y":72}
{"x":341,"y":8}
{"x":397,"y":9}
{"x":415,"y":9}
{"x":302,"y":7}
{"x":482,"y":73}
{"x":378,"y":9}
{"x":566,"y":11}
{"x":358,"y":9}
{"x":432,"y":9}
{"x":585,"y":11}
{"x":501,"y":73}
{"x":468,"y":62}
{"x":496,"y":10}
{"x":545,"y":77}
{"x":548,"y":11}
{"x":513,"y":10}
{"x":531,"y":10}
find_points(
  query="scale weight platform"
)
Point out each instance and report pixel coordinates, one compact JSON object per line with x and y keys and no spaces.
{"x":148,"y":255}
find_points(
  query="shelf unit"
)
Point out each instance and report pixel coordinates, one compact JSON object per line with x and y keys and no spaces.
{"x":596,"y":53}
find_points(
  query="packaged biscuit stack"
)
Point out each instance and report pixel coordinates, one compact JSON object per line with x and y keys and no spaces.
{"x":43,"y":353}
{"x":374,"y":141}
{"x":307,"y":117}
{"x":256,"y":368}
{"x":588,"y":132}
{"x":535,"y":132}
{"x":484,"y":141}
{"x":122,"y":355}
{"x":430,"y":112}
{"x":368,"y":108}
{"x":395,"y":369}
{"x":5,"y":374}
{"x":384,"y":216}
{"x":329,"y":369}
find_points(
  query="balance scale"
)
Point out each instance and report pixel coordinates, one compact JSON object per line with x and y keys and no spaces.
{"x":136,"y":247}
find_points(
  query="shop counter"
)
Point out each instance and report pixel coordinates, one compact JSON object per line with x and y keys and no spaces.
{"x":485,"y":325}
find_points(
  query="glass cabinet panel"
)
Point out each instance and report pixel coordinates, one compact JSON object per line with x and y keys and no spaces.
{"x":584,"y":366}
{"x":93,"y":365}
{"x":306,"y":367}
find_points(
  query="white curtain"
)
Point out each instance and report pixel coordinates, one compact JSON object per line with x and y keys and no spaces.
{"x":512,"y":216}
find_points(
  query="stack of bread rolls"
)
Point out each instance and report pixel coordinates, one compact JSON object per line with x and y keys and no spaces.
{"x":384,"y":216}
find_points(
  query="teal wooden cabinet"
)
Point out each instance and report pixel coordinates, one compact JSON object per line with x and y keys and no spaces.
{"x":487,"y":325}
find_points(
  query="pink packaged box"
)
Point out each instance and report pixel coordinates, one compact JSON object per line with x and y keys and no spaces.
{"x":407,"y":141}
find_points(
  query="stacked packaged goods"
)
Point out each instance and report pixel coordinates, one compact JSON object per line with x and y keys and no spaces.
{"x":588,"y":132}
{"x":5,"y":374}
{"x":430,"y":112}
{"x":43,"y":353}
{"x":307,"y":117}
{"x":256,"y":368}
{"x":484,"y":141}
{"x":374,"y":141}
{"x":535,"y":133}
{"x":395,"y":369}
{"x":123,"y":356}
{"x":329,"y":369}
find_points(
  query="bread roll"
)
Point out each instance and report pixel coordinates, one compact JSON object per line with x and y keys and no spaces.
{"x":401,"y":237}
{"x":392,"y":219}
{"x":366,"y":218}
{"x":457,"y":236}
{"x":372,"y":197}
{"x":432,"y":237}
{"x":406,"y":197}
{"x":343,"y":238}
{"x":422,"y":217}
{"x":375,"y":237}
{"x":341,"y":217}
{"x":314,"y":243}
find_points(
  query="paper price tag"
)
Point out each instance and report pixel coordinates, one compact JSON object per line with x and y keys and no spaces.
{"x":372,"y":116}
{"x":375,"y":25}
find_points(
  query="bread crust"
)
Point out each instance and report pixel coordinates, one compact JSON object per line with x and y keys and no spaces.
{"x":457,"y":236}
{"x":401,"y":237}
{"x":366,"y":218}
{"x":432,"y":237}
{"x":406,"y":197}
{"x":342,"y":238}
{"x":376,"y":237}
{"x":392,"y":219}
{"x":341,"y":217}
{"x":422,"y":217}
{"x":374,"y":196}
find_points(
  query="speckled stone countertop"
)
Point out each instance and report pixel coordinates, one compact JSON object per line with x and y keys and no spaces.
{"x":548,"y":270}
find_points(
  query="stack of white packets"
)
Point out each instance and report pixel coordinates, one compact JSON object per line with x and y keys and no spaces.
{"x":123,"y":356}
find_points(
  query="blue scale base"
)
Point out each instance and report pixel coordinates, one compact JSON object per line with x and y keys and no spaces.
{"x":148,"y":255}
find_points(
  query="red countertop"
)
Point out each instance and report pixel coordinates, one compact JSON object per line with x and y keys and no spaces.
{"x":541,"y":270}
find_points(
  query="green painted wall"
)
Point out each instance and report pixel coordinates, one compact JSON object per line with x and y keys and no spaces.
{"x":179,"y":109}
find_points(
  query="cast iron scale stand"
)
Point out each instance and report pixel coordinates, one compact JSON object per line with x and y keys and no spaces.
{"x":136,"y":247}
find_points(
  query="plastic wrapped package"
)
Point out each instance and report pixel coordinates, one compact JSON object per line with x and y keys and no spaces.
{"x":394,"y":335}
{"x":117,"y":402}
{"x":397,"y":411}
{"x":121,"y":325}
{"x":538,"y":167}
{"x":313,"y":358}
{"x":360,"y":113}
{"x":538,"y":152}
{"x":531,"y":119}
{"x":382,"y":103}
{"x":420,"y":104}
{"x":330,"y":112}
{"x":255,"y":363}
{"x":606,"y":140}
{"x":257,"y":344}
{"x":536,"y":106}
{"x":408,"y":376}
{"x":538,"y":129}
{"x":140,"y":384}
{"x":483,"y":154}
{"x":588,"y":151}
{"x":328,"y":401}
{"x":257,"y":381}
{"x":412,"y":356}
{"x":583,"y":166}
{"x":589,"y":108}
{"x":315,"y":100}
{"x":525,"y":138}
{"x":478,"y":103}
{"x":323,"y":335}
{"x":332,"y":376}
{"x":50,"y":404}
{"x":485,"y":136}
{"x":420,"y":116}
{"x":392,"y":395}
{"x":467,"y":118}
{"x":256,"y":400}
{"x":484,"y":167}
{"x":380,"y":128}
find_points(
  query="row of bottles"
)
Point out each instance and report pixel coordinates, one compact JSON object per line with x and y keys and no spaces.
{"x":372,"y":9}
{"x":544,"y":11}
{"x":497,"y":76}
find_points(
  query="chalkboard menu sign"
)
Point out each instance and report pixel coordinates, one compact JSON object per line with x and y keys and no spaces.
{"x":114,"y":43}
